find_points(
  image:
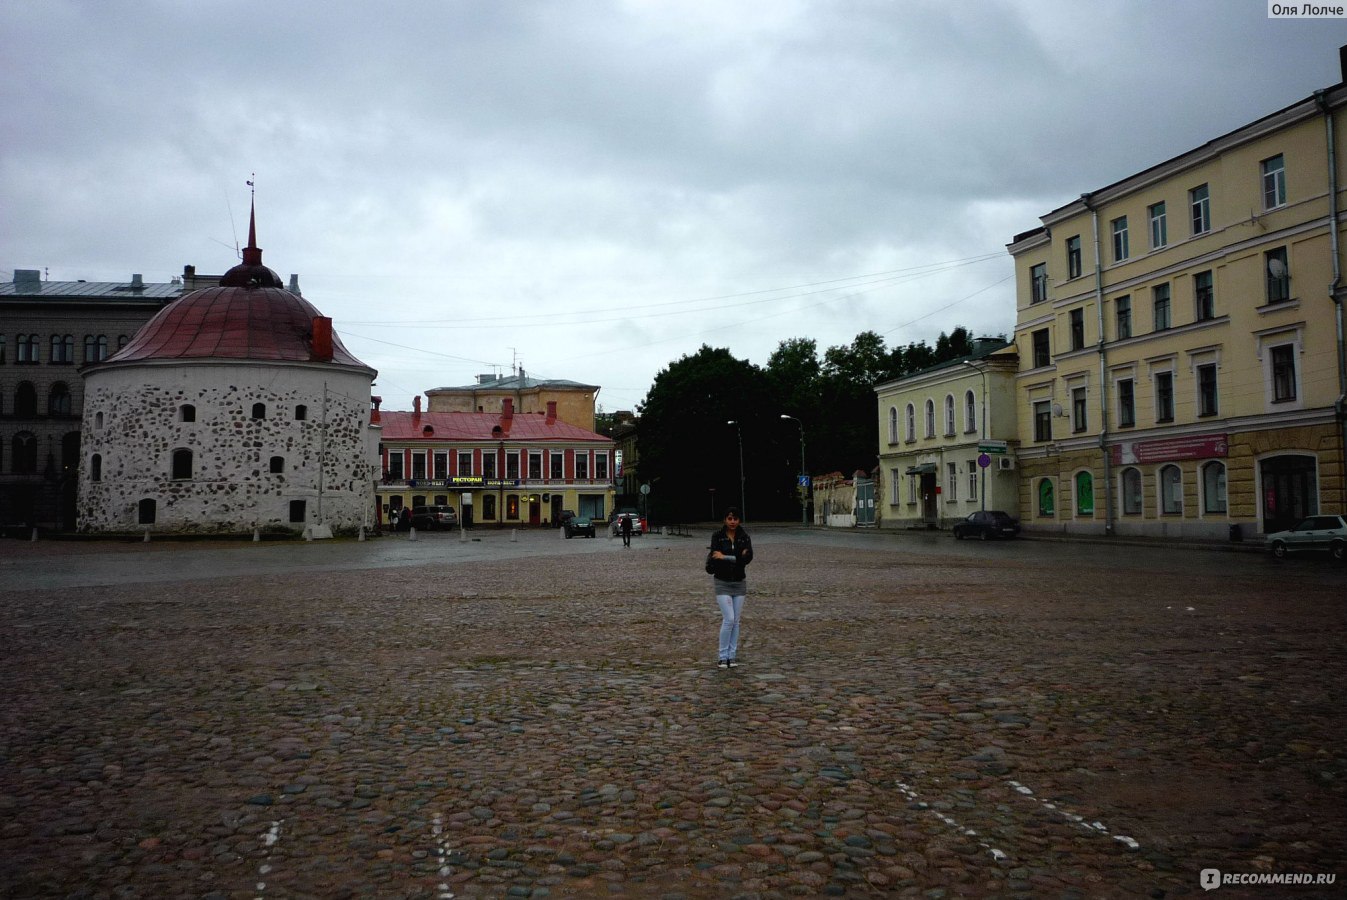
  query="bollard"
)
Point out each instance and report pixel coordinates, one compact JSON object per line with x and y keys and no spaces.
{"x":308,"y":534}
{"x":34,"y":535}
{"x":147,"y":536}
{"x":462,"y":535}
{"x":562,"y":530}
{"x":514,"y":535}
{"x":362,"y":533}
{"x":257,"y":536}
{"x":411,"y":534}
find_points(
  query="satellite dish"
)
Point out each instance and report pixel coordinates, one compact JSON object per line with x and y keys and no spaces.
{"x":1276,"y":268}
{"x":1056,"y":409}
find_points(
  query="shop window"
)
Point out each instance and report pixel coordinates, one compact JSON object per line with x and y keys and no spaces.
{"x":1131,"y":492}
{"x":1171,"y":491}
{"x":1213,"y":488}
{"x":1084,"y":494}
{"x":1047,"y":505}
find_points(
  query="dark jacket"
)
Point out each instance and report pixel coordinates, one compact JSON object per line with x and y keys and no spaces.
{"x":741,"y":548}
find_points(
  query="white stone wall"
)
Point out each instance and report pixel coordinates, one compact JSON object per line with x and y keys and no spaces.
{"x":133,"y":421}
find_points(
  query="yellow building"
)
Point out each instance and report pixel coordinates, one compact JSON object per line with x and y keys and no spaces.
{"x":931,"y":426}
{"x":573,"y":402}
{"x":1180,"y":339}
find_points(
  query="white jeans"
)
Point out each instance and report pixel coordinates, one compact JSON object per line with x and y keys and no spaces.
{"x":731,"y":612}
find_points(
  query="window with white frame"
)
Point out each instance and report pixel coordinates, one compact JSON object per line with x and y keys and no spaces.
{"x":1199,"y":206}
{"x":1123,"y":310}
{"x":952,"y":482}
{"x":1171,"y":491}
{"x":418,"y":465}
{"x":1073,"y":261}
{"x":911,"y":422}
{"x":972,"y":478}
{"x":1274,"y":182}
{"x":464,"y":463}
{"x":556,"y":465}
{"x":1120,"y":248}
{"x":512,"y":464}
{"x":1042,"y":349}
{"x":949,"y":414}
{"x":1043,"y":420}
{"x":440,"y":466}
{"x":1038,"y":283}
{"x":601,"y":466}
{"x":913,"y":488}
{"x":581,"y":465}
{"x":930,"y":418}
{"x":893,"y":424}
{"x":490,"y":463}
{"x":895,"y":480}
{"x":970,"y":415}
{"x":535,"y":465}
{"x":1159,"y":225}
{"x":1213,"y":488}
{"x":395,"y":465}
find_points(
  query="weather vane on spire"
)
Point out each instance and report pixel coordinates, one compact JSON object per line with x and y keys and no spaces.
{"x":252,"y":188}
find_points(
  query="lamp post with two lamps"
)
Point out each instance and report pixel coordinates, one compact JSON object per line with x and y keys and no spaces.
{"x":804,"y":474}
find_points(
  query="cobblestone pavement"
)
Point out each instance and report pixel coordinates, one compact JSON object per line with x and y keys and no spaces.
{"x":914,"y":716}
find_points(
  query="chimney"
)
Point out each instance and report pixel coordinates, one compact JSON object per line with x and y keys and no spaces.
{"x":27,"y":281}
{"x":374,"y":416}
{"x":137,"y":282}
{"x":321,"y":350}
{"x":416,"y":407}
{"x":551,"y":411}
{"x":507,"y":409}
{"x":294,"y":283}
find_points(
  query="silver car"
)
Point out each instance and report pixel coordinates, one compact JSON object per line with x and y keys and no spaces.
{"x":1314,"y":533}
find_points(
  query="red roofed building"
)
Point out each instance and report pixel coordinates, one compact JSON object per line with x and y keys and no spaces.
{"x":503,"y":467}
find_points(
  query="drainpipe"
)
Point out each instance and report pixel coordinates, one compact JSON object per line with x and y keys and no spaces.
{"x":1334,"y":289}
{"x":1103,"y":369}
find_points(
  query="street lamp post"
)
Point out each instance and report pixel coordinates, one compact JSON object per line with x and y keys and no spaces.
{"x":804,"y":493}
{"x":743,"y":507}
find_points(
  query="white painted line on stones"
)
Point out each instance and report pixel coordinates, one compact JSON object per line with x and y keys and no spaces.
{"x":910,"y":794}
{"x":1094,"y":827}
{"x":437,"y":829}
{"x":273,"y":834}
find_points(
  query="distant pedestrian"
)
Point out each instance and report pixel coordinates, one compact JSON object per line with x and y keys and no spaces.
{"x":730,"y":552}
{"x":624,"y":526}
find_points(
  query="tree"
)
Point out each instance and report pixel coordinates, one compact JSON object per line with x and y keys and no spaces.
{"x":688,"y":449}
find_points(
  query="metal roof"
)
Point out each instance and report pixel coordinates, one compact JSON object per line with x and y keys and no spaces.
{"x":516,"y":383}
{"x":88,"y":290}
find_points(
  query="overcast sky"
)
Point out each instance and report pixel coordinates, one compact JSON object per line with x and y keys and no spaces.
{"x":594,"y":189}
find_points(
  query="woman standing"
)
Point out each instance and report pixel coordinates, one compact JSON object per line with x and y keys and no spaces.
{"x":731,"y":551}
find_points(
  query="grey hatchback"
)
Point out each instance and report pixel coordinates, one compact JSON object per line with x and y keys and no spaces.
{"x":1313,"y":533}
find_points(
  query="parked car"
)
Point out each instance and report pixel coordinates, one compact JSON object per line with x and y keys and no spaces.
{"x":566,"y":516}
{"x":637,"y":522}
{"x":583,"y":525}
{"x":1314,"y":533}
{"x":986,"y":524}
{"x":432,"y":517}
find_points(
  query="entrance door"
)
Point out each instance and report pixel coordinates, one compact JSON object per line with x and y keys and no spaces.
{"x":930,"y":506}
{"x":865,"y":502}
{"x":1290,"y":491}
{"x":535,"y":509}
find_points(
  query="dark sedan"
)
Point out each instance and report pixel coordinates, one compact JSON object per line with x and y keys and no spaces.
{"x":581,"y":525}
{"x":987,"y":524}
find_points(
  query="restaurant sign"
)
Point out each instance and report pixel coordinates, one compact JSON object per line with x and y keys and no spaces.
{"x":1170,"y":450}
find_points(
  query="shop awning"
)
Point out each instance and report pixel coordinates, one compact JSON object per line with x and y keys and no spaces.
{"x":923,"y":469}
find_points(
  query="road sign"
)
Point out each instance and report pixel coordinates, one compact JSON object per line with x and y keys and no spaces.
{"x":992,"y":447}
{"x":984,"y":460}
{"x":804,"y":481}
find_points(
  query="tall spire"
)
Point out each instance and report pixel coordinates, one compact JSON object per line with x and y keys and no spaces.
{"x":252,"y":254}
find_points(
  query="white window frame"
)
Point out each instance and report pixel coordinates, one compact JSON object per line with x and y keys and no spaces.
{"x":1273,"y":171}
{"x":1159,"y":225}
{"x":893,"y":424}
{"x":1121,"y":250}
{"x":972,"y":479}
{"x":952,"y":483}
{"x":970,"y":412}
{"x":949,"y":415}
{"x":1199,"y":209}
{"x":465,"y":471}
{"x":1207,"y":490}
{"x":911,"y":421}
{"x":930,"y":417}
{"x":1138,"y":494}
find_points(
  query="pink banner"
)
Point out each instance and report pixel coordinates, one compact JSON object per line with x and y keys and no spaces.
{"x":1140,"y":452}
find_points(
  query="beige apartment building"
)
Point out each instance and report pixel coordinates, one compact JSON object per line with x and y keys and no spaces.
{"x":931,"y":425}
{"x":1180,"y":337}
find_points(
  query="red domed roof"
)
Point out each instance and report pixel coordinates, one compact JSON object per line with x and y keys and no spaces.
{"x":249,"y":316}
{"x":262,"y":323}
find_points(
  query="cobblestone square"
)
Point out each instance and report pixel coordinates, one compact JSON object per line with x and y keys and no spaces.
{"x":522,"y":716}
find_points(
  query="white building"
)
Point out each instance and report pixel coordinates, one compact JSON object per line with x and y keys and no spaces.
{"x":235,"y":408}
